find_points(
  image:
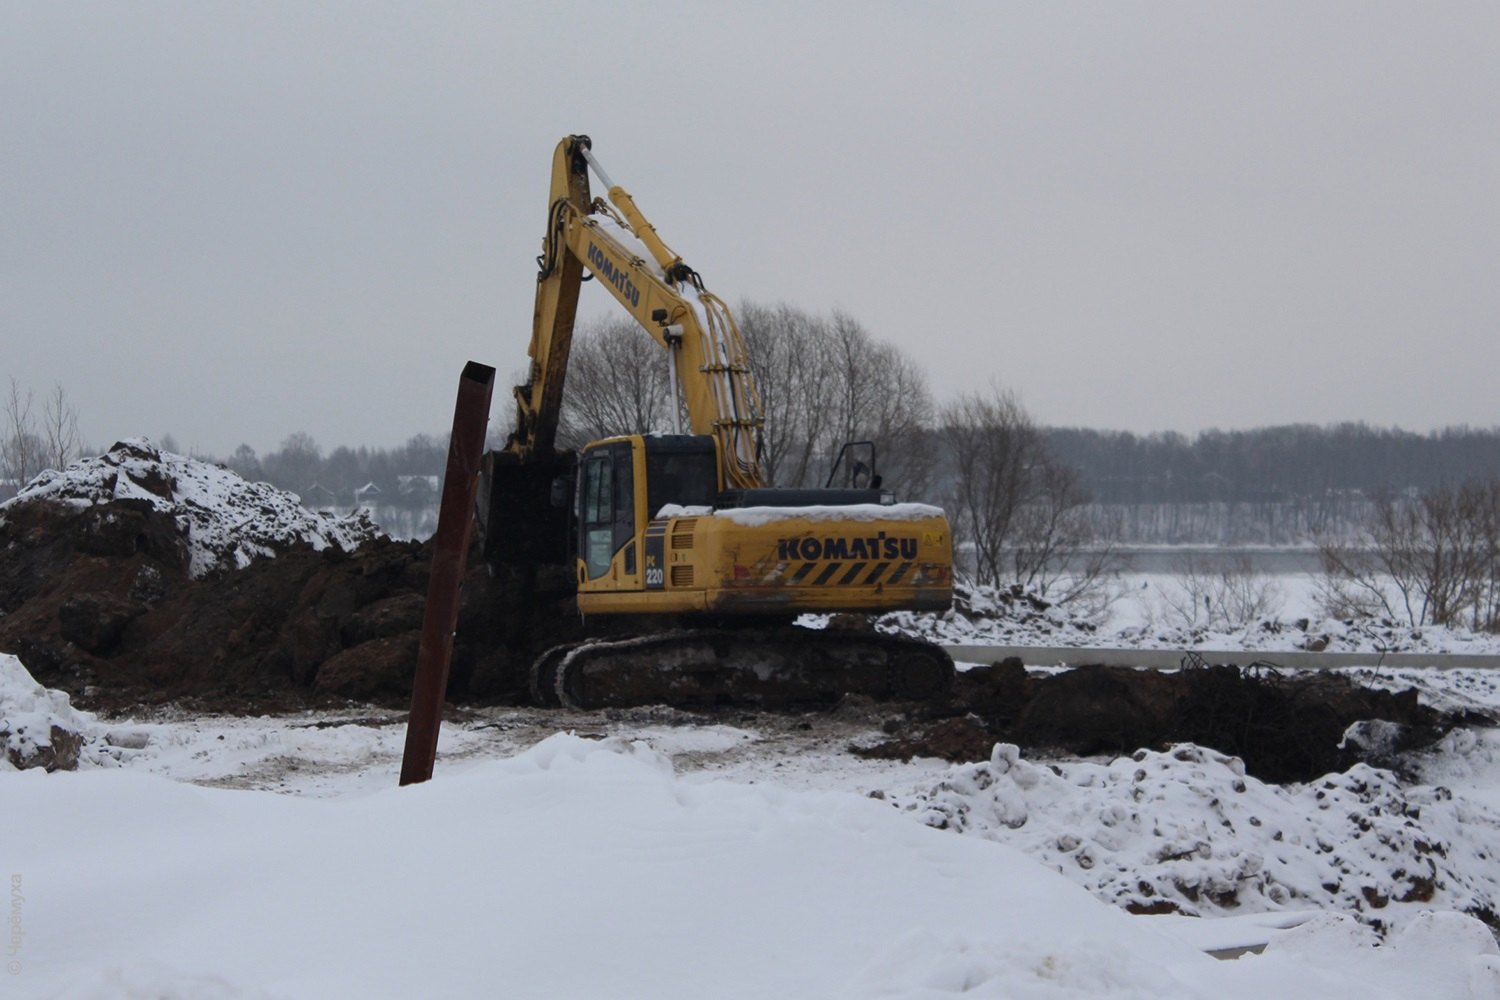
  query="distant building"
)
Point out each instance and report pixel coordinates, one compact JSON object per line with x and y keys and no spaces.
{"x":318,"y":497}
{"x":417,"y":490}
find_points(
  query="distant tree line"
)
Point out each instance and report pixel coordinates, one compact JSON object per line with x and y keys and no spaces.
{"x":1284,"y":485}
{"x":1272,"y":463}
{"x":398,"y":486}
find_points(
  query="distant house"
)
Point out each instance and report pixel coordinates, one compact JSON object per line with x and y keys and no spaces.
{"x":367,"y":495}
{"x":318,"y":497}
{"x":417,"y":490}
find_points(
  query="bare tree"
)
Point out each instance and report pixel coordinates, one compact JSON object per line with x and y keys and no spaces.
{"x":296,"y":465}
{"x":60,"y":438}
{"x":22,"y":448}
{"x":825,"y":382}
{"x":794,"y":373}
{"x":1021,"y":515}
{"x":245,"y":464}
{"x":27,"y":446}
{"x":995,"y":448}
{"x":1060,"y":552}
{"x":617,"y":384}
{"x":896,"y":416}
{"x":1485,"y":592}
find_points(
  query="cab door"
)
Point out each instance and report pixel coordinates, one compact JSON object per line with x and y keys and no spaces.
{"x":606,"y":512}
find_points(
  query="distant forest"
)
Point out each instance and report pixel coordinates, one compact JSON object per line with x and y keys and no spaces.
{"x":1272,"y":464}
{"x":826,"y":380}
{"x":1288,"y":485}
{"x":1283,"y":485}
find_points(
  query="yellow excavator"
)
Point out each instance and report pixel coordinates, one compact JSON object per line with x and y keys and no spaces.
{"x":678,"y":528}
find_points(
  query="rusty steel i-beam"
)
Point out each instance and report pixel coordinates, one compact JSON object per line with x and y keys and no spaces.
{"x":449,"y":546}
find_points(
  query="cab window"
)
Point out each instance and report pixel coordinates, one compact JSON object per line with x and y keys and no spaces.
{"x":606,"y":522}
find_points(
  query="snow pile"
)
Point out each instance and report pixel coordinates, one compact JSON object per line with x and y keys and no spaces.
{"x":589,"y":869}
{"x":1013,"y":617}
{"x":226,"y":521}
{"x":1436,"y":955}
{"x":40,"y":727}
{"x":1461,"y":690}
{"x":1372,"y":635}
{"x":1187,"y":831}
{"x":1000,"y":617}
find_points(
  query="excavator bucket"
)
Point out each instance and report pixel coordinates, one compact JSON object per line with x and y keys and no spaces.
{"x":525,"y":509}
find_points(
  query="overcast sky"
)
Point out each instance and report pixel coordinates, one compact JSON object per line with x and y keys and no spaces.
{"x":234,"y":221}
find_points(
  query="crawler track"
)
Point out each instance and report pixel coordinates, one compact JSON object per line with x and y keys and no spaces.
{"x":755,"y":667}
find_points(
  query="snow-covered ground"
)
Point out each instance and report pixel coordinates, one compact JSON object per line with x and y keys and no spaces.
{"x":1150,"y":611}
{"x":652,"y":853}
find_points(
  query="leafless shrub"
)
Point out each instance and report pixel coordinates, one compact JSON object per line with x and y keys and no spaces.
{"x":995,"y":447}
{"x":1223,"y":594}
{"x":1432,"y":559}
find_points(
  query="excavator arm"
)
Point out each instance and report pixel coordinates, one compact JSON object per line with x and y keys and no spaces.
{"x":621,"y":249}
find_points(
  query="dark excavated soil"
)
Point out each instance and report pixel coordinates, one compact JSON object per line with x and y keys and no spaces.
{"x":1285,"y":726}
{"x":97,"y":601}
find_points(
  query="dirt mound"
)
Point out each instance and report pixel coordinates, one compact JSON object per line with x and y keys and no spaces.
{"x":212,"y":518}
{"x":1285,"y":726}
{"x":145,"y":577}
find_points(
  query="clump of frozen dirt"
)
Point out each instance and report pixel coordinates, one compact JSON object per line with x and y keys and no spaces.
{"x":1189,"y":831}
{"x":224,"y":521}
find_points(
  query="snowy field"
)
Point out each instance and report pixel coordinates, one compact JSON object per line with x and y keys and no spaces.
{"x":657,"y":854}
{"x":1156,"y":611}
{"x":652,"y":853}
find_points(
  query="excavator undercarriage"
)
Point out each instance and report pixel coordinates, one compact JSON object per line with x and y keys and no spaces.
{"x":757,"y":666}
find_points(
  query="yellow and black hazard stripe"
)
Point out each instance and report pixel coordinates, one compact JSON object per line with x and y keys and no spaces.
{"x":818,"y":574}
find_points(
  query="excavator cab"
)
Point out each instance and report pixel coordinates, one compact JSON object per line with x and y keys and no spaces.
{"x":623,"y":483}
